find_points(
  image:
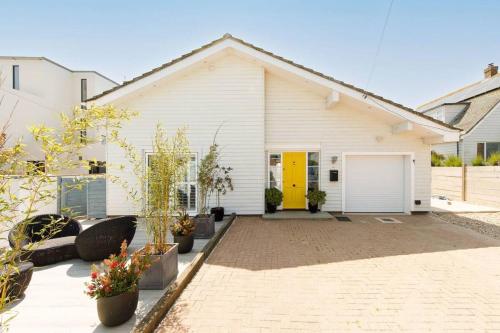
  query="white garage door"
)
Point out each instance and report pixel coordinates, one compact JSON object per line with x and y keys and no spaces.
{"x":375,"y":184}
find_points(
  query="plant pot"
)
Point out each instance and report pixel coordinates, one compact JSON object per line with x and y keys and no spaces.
{"x":270,"y":208}
{"x":205,"y":226}
{"x":185,"y":243}
{"x":19,"y":281}
{"x":218,"y":212}
{"x":116,"y":310}
{"x":162,"y":271}
{"x":313,"y":208}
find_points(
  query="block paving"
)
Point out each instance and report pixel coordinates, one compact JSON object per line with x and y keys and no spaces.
{"x":422,"y":275}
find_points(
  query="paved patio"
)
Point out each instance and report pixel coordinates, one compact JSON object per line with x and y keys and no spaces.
{"x":55,"y":301}
{"x":329,"y":276}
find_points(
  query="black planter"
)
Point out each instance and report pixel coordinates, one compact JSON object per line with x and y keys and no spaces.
{"x":271,"y":208}
{"x":185,"y":243}
{"x":19,"y":281}
{"x":313,"y":208}
{"x":218,"y":212}
{"x":116,"y":310}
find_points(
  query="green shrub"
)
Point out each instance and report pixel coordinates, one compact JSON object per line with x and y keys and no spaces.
{"x":478,"y":161}
{"x":453,"y":161}
{"x":274,"y":196}
{"x":436,"y":159}
{"x":494,"y":159}
{"x":316,"y":197}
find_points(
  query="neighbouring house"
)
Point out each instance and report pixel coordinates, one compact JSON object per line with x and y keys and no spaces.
{"x":475,"y":109}
{"x":38,"y":89}
{"x":282,"y":125}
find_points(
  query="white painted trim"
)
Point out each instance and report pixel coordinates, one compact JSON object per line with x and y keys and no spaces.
{"x":277,"y":63}
{"x":411,"y":155}
{"x":292,"y":147}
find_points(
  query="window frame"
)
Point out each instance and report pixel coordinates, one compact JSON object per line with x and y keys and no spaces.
{"x":485,"y":147}
{"x":15,"y":77}
{"x":83,"y":90}
{"x":188,"y":182}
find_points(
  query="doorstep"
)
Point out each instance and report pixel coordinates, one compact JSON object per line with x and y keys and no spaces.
{"x":297,"y":214}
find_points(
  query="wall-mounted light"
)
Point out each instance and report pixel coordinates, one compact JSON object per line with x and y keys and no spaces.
{"x":334,"y":159}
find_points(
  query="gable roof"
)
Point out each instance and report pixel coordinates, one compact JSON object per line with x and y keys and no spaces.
{"x":464,"y":93}
{"x":277,"y":57}
{"x":477,"y":108}
{"x":58,"y":65}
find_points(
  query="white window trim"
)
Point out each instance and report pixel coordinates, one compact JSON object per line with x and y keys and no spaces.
{"x":485,"y":156}
{"x":280,"y":152}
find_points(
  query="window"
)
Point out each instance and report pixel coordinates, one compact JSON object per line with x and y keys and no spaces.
{"x":97,"y":167}
{"x":485,"y":149}
{"x":187,"y":190}
{"x":15,"y":77}
{"x":312,"y":171}
{"x":35,"y":167}
{"x":275,"y":171}
{"x":83,"y":90}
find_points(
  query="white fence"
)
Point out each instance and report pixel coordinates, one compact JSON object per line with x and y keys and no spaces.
{"x":480,"y":185}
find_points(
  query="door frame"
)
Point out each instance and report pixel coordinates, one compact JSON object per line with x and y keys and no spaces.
{"x":409,"y":156}
{"x":284,"y":149}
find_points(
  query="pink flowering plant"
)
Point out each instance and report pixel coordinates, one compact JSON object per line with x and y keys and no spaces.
{"x":116,"y":275}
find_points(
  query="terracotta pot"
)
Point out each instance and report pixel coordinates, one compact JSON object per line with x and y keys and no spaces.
{"x":163,"y":270}
{"x":116,"y":310}
{"x":185,"y":243}
{"x":218,"y":212}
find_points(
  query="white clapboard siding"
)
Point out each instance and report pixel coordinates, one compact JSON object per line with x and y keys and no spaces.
{"x":295,"y":115}
{"x":228,"y":93}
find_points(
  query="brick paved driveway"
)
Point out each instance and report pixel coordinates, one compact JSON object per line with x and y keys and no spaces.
{"x":328,"y":276}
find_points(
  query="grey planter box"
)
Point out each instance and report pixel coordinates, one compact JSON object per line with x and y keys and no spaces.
{"x":205,"y":226}
{"x":162,"y":271}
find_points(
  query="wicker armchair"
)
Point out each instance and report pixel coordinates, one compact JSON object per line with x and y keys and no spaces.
{"x":105,"y":237}
{"x":50,"y":242}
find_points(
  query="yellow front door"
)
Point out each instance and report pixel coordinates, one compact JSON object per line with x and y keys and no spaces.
{"x":294,"y":180}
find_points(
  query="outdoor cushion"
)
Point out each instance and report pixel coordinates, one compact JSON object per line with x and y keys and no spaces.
{"x":105,"y":237}
{"x":51,"y":251}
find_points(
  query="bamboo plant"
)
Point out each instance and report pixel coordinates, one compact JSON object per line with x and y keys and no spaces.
{"x":167,"y":168}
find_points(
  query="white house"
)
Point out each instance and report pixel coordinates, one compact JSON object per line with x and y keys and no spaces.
{"x":475,"y":109}
{"x":38,"y":89}
{"x":283,"y":125}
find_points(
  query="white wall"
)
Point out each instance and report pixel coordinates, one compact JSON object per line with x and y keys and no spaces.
{"x":46,"y":90}
{"x":297,"y":116}
{"x":488,"y":130}
{"x":230,"y":92}
{"x":447,"y":149}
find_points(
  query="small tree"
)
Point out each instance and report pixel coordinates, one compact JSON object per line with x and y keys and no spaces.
{"x":168,"y":167}
{"x":206,"y":177}
{"x":222,"y":182}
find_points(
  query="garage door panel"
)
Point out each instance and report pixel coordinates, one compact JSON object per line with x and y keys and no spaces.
{"x":374,"y":184}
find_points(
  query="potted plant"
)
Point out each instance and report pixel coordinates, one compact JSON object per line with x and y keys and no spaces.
{"x":114,"y":286}
{"x":205,"y":227}
{"x":166,"y":169}
{"x":273,"y":199}
{"x":222,"y":183}
{"x":182,"y":230}
{"x":315,"y":199}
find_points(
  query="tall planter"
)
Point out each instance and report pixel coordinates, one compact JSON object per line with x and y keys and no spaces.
{"x":205,"y":226}
{"x":163,"y":270}
{"x":218,"y":212}
{"x":116,"y":310}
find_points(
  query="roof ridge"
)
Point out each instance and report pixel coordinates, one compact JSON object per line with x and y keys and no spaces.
{"x":241,"y":41}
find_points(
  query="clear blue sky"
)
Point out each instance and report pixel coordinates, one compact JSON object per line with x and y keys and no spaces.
{"x":430,"y":47}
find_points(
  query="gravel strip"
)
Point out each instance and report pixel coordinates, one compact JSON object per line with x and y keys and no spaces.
{"x":484,"y":223}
